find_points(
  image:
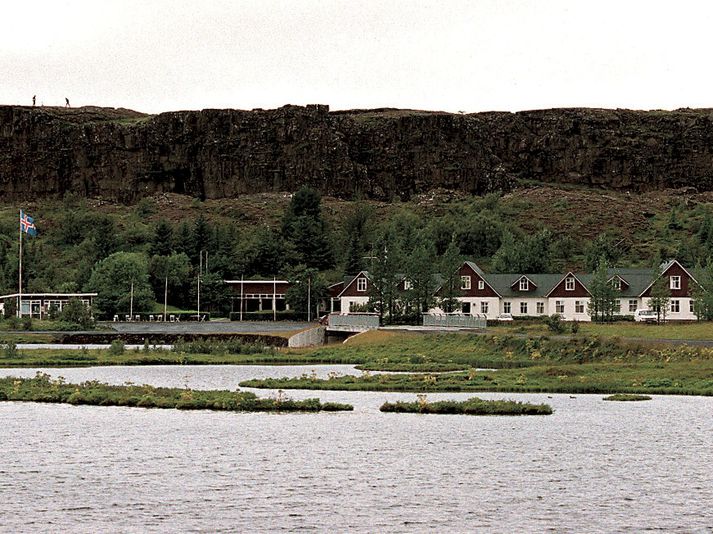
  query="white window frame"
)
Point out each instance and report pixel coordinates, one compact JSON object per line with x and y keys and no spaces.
{"x":524,"y":284}
{"x":675,"y":282}
{"x":465,"y":282}
{"x":507,"y":307}
{"x":559,"y":306}
{"x":569,"y":283}
{"x":407,"y":285}
{"x":692,"y":306}
{"x":675,"y":306}
{"x":481,"y":284}
{"x":616,"y":283}
{"x":483,"y":307}
{"x":578,"y":306}
{"x":361,"y":284}
{"x":540,"y":308}
{"x":633,"y":305}
{"x":523,"y":308}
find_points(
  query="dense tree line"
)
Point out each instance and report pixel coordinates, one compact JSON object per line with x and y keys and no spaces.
{"x":91,"y":249}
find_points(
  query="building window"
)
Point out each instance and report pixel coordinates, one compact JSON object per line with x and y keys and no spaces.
{"x":675,"y":282}
{"x":483,"y":307}
{"x":507,"y":307}
{"x":523,"y":308}
{"x":675,"y":306}
{"x":569,"y":283}
{"x":524,"y":284}
{"x":481,"y":284}
{"x":633,"y":305}
{"x":407,"y":285}
{"x":691,"y":306}
{"x":616,"y":284}
{"x":617,"y":306}
{"x":559,"y":306}
{"x":579,"y":306}
{"x":465,"y":282}
{"x":361,"y":284}
{"x":540,"y":308}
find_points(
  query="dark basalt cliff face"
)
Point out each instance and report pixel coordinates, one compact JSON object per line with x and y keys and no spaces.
{"x":124,"y":155}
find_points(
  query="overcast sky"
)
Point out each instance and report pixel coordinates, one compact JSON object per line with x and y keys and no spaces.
{"x":474,"y":55}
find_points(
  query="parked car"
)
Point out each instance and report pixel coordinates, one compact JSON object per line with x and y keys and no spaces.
{"x":504,"y":317}
{"x":645,"y":316}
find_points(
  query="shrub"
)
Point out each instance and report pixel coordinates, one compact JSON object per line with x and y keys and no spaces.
{"x":10,"y":351}
{"x":554,"y":323}
{"x":575,"y":327}
{"x":27,"y":323}
{"x":116,"y":348}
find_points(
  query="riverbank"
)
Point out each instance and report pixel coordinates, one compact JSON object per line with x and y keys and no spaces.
{"x":42,"y":388}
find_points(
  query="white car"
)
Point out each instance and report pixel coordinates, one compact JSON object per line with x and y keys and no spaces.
{"x":504,"y":317}
{"x":645,"y":316}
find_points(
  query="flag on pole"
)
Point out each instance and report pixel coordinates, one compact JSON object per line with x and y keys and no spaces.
{"x":27,"y":224}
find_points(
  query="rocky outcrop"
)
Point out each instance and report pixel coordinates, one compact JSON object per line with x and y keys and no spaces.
{"x":124,"y":155}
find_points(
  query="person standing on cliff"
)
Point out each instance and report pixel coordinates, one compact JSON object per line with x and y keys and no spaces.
{"x":66,"y":102}
{"x":34,"y":100}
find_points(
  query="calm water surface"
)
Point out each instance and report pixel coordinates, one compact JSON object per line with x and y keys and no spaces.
{"x":593,"y":466}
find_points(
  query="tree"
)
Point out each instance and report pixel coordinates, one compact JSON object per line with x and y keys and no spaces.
{"x":112,"y":279}
{"x":104,"y":236}
{"x":162,"y":240}
{"x":702,"y":292}
{"x":356,"y":237}
{"x":659,"y":297}
{"x":76,"y":312}
{"x":450,"y":264}
{"x":201,"y":238}
{"x":602,"y":246}
{"x":480,"y":236}
{"x":385,"y":277}
{"x":307,"y":285}
{"x":603,"y":295}
{"x":420,"y":275}
{"x":304,"y":228}
{"x":168,"y":273}
{"x":267,"y":254}
{"x":526,"y":254}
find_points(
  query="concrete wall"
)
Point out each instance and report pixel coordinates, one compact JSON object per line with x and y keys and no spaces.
{"x":308,"y":338}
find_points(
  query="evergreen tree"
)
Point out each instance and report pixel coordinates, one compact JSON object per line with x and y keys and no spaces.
{"x":202,"y":238}
{"x":104,"y":234}
{"x":357,"y":238}
{"x":602,"y":246}
{"x":702,"y":292}
{"x":183,"y":241}
{"x":162,"y":240}
{"x":305,"y":229}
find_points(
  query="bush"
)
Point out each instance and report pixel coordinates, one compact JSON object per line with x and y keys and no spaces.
{"x":554,"y":323}
{"x":75,"y":312}
{"x":27,"y":323}
{"x":575,"y":327}
{"x":116,"y":348}
{"x":10,"y":351}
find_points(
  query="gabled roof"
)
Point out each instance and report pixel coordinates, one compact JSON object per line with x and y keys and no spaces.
{"x":530,"y":281}
{"x":563,"y":278}
{"x":502,"y":284}
{"x":473,"y":266}
{"x":347,"y":285}
{"x":665,"y":266}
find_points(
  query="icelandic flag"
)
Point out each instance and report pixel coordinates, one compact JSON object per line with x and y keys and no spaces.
{"x":27,"y":224}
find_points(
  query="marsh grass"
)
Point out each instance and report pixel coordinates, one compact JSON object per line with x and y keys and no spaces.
{"x":42,"y":388}
{"x":472,"y":406}
{"x":626,"y":397}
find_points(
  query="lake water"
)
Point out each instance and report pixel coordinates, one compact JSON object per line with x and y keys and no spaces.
{"x":593,"y":466}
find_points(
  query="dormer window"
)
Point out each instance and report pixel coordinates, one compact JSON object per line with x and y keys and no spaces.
{"x":481,"y":284}
{"x":675,"y":282}
{"x":465,"y":282}
{"x":616,"y":283}
{"x":361,"y":284}
{"x":407,"y":285}
{"x":569,"y":283}
{"x":524,"y":284}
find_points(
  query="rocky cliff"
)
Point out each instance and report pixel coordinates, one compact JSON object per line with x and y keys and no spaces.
{"x":123,"y":155}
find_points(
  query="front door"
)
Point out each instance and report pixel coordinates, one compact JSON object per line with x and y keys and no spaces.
{"x":466,"y":308}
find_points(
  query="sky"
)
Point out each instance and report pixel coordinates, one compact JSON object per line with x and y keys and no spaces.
{"x":458,"y":56}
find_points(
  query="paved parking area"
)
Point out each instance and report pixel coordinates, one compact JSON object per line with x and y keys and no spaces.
{"x":213,"y":327}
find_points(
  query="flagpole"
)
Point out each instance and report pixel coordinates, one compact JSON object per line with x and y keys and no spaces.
{"x":19,"y":281}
